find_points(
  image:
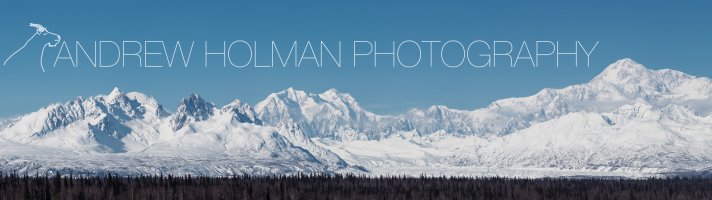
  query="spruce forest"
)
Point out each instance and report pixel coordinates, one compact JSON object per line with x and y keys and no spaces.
{"x":13,"y":186}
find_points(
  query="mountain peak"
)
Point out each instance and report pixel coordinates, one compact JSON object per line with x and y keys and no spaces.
{"x":331,"y":91}
{"x":241,"y":112}
{"x":625,"y":65}
{"x":622,"y":71}
{"x":438,"y":108}
{"x":291,"y":90}
{"x":115,"y":90}
{"x":114,"y":94}
{"x":191,"y":108}
{"x":235,"y":102}
{"x":626,"y":61}
{"x":333,"y":94}
{"x":194,"y":96}
{"x":291,"y":93}
{"x":196,"y":106}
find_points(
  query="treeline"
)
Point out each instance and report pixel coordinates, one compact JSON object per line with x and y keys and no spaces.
{"x":14,"y":186}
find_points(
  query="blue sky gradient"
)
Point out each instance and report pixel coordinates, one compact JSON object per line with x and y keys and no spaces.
{"x":658,"y":34}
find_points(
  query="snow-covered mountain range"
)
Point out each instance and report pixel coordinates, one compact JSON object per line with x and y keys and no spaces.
{"x":627,"y":121}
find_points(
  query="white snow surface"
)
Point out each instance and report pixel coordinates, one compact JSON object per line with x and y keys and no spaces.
{"x":629,"y":121}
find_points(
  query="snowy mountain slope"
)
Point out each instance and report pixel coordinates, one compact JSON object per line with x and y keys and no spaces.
{"x":406,"y":149}
{"x":620,"y":83}
{"x":107,"y":127}
{"x":191,"y":109}
{"x":627,"y":121}
{"x":440,"y":118}
{"x":96,"y":124}
{"x":241,"y":112}
{"x":635,"y":135}
{"x":4,"y":123}
{"x":32,"y":160}
{"x":653,"y":123}
{"x":329,"y":114}
{"x":336,"y":115}
{"x":221,"y":130}
{"x":298,"y":137}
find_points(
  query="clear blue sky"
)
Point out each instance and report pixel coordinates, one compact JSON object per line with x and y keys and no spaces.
{"x":658,"y":34}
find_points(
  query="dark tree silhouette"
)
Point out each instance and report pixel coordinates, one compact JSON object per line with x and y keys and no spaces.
{"x":313,"y":186}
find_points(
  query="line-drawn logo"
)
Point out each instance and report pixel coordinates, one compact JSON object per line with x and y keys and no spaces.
{"x":41,"y":31}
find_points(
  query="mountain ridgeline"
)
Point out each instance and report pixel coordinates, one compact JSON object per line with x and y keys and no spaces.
{"x":627,"y":118}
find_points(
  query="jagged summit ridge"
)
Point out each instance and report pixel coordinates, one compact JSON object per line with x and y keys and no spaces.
{"x":190,"y":109}
{"x":338,"y":115}
{"x":241,"y":112}
{"x":617,"y":120}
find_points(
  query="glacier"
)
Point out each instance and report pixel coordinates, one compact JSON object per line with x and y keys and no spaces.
{"x":628,"y":121}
